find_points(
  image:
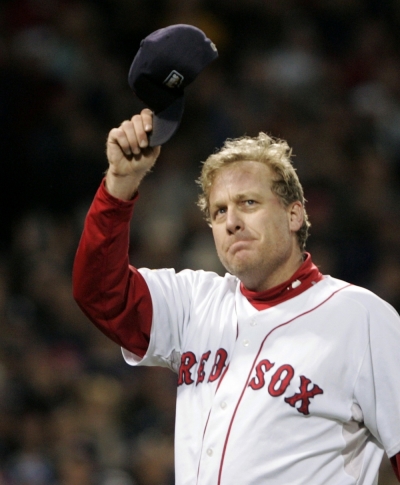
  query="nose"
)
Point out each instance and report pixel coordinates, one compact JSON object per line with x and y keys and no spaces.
{"x":234,"y":222}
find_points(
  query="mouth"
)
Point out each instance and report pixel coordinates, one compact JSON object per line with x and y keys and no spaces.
{"x":239,"y":245}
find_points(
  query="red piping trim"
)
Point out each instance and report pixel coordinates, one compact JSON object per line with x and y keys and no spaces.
{"x":208,"y":417}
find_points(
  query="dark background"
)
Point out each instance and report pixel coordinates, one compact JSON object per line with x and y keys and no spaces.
{"x":322,"y":74}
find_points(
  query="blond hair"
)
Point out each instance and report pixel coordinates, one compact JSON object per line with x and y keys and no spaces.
{"x":273,"y":152}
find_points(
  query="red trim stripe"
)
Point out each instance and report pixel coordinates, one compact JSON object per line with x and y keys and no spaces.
{"x":208,"y":417}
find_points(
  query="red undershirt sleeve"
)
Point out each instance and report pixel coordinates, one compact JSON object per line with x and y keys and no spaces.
{"x":111,"y":292}
{"x":395,"y":461}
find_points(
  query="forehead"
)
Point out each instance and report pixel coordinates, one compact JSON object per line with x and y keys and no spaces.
{"x":243,"y":176}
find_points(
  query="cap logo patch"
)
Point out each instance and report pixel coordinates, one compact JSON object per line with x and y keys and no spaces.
{"x":174,"y":80}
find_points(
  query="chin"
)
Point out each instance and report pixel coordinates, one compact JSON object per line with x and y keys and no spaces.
{"x":241,"y":269}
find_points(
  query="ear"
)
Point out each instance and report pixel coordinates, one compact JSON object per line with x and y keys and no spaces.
{"x":296,"y":216}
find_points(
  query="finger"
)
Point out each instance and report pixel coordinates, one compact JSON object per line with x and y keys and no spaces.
{"x":152,"y":152}
{"x":132,"y":136}
{"x":147,"y":117}
{"x":140,"y":131}
{"x":117,"y":136}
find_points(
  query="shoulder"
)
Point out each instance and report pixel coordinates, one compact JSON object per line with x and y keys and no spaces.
{"x":361,"y":298}
{"x":193,"y":280}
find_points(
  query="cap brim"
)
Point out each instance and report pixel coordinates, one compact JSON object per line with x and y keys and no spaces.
{"x":166,"y":122}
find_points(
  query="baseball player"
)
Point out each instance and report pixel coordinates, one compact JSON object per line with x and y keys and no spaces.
{"x":284,"y":375}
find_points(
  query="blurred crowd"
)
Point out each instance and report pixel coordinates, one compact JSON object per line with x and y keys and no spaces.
{"x":322,"y":74}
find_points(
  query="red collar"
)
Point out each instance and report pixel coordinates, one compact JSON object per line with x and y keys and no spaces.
{"x":305,"y":277}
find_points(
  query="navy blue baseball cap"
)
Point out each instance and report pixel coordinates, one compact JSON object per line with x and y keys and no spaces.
{"x":167,"y":61}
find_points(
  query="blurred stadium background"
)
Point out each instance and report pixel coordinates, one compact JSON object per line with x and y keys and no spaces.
{"x":322,"y":74}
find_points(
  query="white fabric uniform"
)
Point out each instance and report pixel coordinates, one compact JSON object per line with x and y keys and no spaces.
{"x":305,"y":392}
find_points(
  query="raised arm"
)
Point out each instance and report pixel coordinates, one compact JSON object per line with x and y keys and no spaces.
{"x":109,"y":291}
{"x":129,"y":155}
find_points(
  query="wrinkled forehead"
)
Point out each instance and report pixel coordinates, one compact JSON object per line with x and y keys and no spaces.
{"x":240,"y":177}
{"x":242,"y":170}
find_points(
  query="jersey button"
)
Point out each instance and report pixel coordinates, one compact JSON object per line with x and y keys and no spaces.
{"x":246,"y":342}
{"x":223,"y":404}
{"x":253,"y":323}
{"x":209,"y":452}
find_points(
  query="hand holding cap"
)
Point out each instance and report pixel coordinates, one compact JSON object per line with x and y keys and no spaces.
{"x":167,"y":61}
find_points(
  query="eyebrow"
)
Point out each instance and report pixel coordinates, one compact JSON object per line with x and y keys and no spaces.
{"x":245,"y":196}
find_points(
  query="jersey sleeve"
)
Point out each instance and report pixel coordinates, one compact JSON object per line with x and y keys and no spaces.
{"x":377,"y":390}
{"x":112,"y":293}
{"x":180,"y":303}
{"x":171,"y":295}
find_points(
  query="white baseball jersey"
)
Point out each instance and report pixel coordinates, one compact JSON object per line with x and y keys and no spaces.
{"x":305,"y":392}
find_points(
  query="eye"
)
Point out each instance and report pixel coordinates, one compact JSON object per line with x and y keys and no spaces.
{"x":219,"y":212}
{"x":250,"y":202}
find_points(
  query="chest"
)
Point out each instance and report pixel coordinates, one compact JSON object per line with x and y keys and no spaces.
{"x":303,"y":356}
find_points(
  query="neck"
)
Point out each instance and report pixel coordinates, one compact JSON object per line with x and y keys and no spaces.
{"x":281,"y":272}
{"x":303,"y":279}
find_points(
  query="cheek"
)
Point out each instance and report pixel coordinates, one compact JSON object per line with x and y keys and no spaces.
{"x":275,"y":226}
{"x":217,"y":235}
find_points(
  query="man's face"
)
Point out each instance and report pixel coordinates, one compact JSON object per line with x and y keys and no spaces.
{"x":253,"y":232}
